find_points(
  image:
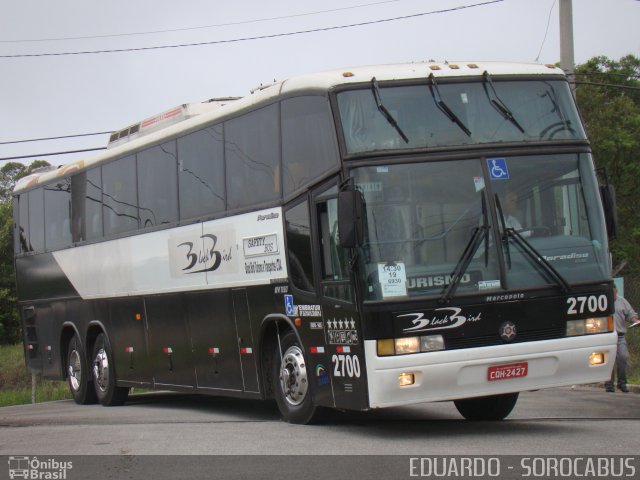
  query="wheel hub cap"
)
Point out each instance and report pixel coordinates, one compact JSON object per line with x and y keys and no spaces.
{"x":293,"y":376}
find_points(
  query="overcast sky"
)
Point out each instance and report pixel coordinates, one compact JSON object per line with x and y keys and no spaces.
{"x":47,"y":96}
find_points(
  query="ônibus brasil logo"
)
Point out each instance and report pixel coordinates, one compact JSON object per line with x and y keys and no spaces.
{"x":34,"y":468}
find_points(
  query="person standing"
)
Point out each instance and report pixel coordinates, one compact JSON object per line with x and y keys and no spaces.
{"x":624,"y":314}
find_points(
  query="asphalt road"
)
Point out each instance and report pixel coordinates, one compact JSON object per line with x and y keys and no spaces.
{"x":562,"y":421}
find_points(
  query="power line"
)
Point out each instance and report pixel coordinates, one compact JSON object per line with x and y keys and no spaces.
{"x":185,"y":29}
{"x":54,"y":138}
{"x":546,"y":31}
{"x":50,"y":154}
{"x":612,"y":85}
{"x":259,"y":37}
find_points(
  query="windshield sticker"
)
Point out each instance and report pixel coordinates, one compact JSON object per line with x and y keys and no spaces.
{"x":443,"y":318}
{"x":488,"y":284}
{"x":393,"y":279}
{"x":368,"y":187}
{"x":578,"y":257}
{"x":479,"y":183}
{"x":498,"y":168}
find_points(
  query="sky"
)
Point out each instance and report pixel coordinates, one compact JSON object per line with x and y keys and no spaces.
{"x":47,"y":95}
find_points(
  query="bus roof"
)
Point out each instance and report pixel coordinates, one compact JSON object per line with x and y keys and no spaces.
{"x":132,"y":139}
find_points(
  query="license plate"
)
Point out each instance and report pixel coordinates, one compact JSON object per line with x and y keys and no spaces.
{"x":504,"y":372}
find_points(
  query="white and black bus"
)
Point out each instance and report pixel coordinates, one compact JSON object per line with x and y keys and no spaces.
{"x":354,"y":239}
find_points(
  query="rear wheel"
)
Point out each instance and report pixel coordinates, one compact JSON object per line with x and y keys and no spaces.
{"x":78,"y":375}
{"x":104,"y":375}
{"x":291,"y":382}
{"x":495,"y":407}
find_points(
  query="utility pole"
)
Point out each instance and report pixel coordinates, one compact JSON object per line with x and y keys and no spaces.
{"x":566,"y":41}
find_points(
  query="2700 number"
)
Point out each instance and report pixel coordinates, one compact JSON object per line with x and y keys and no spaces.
{"x":346,"y":366}
{"x":590,"y":304}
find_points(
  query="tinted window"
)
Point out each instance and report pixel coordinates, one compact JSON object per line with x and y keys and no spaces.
{"x":201,"y":172}
{"x":299,"y":246}
{"x":158,"y":185}
{"x":252,"y":154}
{"x":308,"y":142}
{"x":119,"y":196}
{"x":57,"y":207}
{"x":23,"y":226}
{"x":36,"y":220}
{"x":93,"y":204}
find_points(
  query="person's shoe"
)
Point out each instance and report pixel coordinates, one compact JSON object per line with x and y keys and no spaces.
{"x":609,"y":388}
{"x":623,"y":388}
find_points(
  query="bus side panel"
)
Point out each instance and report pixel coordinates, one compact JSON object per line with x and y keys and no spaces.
{"x":215,"y":340}
{"x":245,"y":340}
{"x":127,"y":331}
{"x":169,"y":341}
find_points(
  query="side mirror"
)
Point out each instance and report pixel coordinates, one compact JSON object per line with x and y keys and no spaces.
{"x":350,"y":221}
{"x":608,"y":197}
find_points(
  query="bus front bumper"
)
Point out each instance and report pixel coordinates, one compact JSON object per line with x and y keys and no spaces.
{"x":457,"y":374}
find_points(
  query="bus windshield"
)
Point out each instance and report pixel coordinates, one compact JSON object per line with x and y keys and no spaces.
{"x":445,"y":114}
{"x":424,"y":221}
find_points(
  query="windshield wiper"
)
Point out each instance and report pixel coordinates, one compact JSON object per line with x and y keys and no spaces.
{"x":383,"y":110}
{"x":479,"y":234}
{"x":443,"y":107}
{"x":564,"y":123}
{"x":530,"y":251}
{"x":497,"y":103}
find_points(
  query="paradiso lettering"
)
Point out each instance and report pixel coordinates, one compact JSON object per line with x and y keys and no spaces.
{"x":447,"y":317}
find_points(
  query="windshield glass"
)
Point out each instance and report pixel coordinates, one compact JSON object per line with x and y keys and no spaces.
{"x":423,"y":221}
{"x":443,"y":114}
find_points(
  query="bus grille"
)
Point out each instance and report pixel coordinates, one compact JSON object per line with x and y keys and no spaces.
{"x":488,"y":340}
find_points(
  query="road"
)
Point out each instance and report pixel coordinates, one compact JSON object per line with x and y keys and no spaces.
{"x":562,"y":421}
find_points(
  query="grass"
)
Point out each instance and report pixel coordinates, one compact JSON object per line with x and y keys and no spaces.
{"x":15,"y":380}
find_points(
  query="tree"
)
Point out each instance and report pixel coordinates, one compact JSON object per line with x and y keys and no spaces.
{"x":608,"y":95}
{"x":10,"y":173}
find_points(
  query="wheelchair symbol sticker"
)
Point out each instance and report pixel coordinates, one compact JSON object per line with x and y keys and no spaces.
{"x":498,"y":168}
{"x":288,"y":305}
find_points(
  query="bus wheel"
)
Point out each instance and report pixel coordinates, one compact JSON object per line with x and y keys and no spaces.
{"x":495,"y":407}
{"x":291,"y":382}
{"x":104,"y":378}
{"x":78,"y":375}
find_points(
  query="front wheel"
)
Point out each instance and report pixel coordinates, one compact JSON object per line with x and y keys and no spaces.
{"x":291,"y":382}
{"x":495,"y":407}
{"x":78,"y":375}
{"x":104,"y":376}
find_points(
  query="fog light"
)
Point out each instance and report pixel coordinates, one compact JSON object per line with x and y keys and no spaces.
{"x":597,"y":358}
{"x":406,"y":379}
{"x":407,"y":345}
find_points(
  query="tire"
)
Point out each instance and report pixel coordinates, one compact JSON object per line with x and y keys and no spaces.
{"x":291,"y":382}
{"x":495,"y":407}
{"x":78,"y":374}
{"x":104,"y":374}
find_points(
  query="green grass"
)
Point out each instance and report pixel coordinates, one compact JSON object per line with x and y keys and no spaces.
{"x":15,"y":380}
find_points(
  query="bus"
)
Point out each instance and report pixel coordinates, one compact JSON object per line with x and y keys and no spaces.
{"x":354,"y":239}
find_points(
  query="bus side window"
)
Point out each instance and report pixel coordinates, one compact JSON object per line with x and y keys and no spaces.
{"x":334,"y":258}
{"x":36,"y":220}
{"x":298,"y":229}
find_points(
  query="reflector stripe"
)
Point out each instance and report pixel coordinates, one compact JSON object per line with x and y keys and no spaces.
{"x":343,"y":349}
{"x":47,"y":348}
{"x":246,"y":351}
{"x":316,"y":349}
{"x":167,"y":350}
{"x":214,"y":351}
{"x":128,"y":349}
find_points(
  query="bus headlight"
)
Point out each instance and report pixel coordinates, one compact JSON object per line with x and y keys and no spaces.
{"x":403,"y":346}
{"x":589,"y":326}
{"x":407,"y":345}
